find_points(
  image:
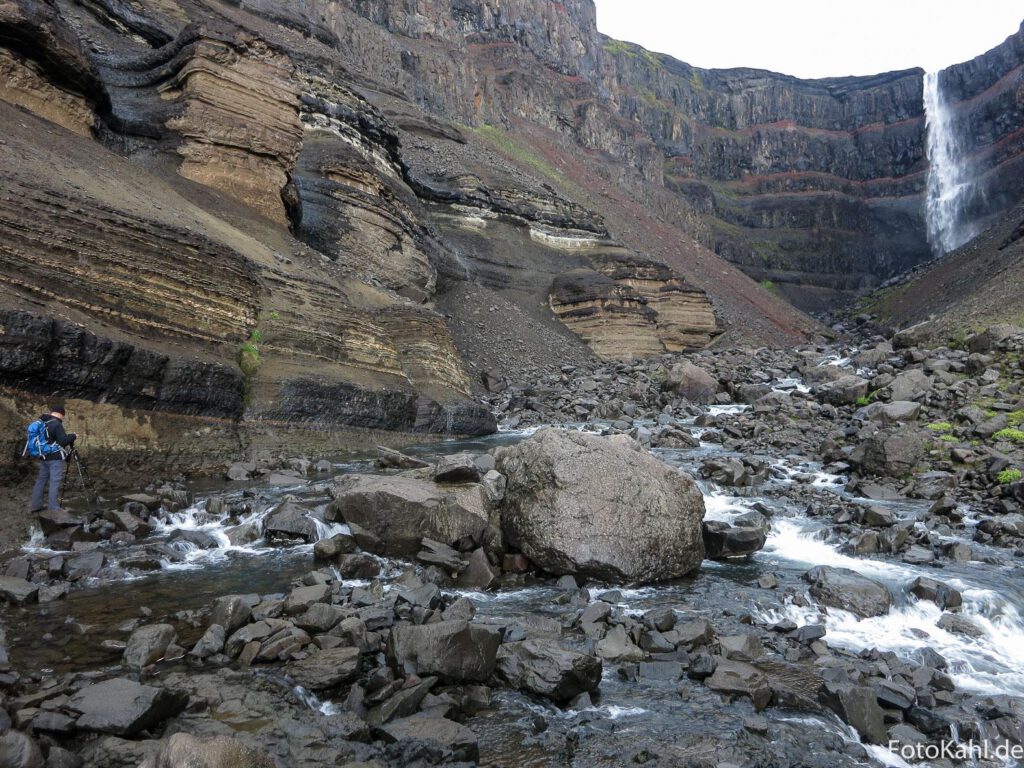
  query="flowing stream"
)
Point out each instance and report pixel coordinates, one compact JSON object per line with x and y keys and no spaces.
{"x":72,"y":629}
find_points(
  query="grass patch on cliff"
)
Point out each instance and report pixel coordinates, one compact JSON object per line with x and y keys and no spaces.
{"x":249,"y":360}
{"x":524,"y":155}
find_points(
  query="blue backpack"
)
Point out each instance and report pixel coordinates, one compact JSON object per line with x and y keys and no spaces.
{"x":39,"y":445}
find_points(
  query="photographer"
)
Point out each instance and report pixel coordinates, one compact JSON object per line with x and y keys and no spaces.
{"x":48,"y":442}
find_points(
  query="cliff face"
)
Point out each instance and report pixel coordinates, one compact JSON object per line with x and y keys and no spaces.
{"x":815,"y":185}
{"x":810,"y":184}
{"x":236,"y":228}
{"x":986,"y":97}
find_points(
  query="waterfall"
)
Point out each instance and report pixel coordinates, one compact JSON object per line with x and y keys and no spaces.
{"x":950,"y":180}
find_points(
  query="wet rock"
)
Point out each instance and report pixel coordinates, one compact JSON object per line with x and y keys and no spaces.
{"x":479,"y":573}
{"x":392,"y":515}
{"x":19,"y":750}
{"x":545,"y":668}
{"x":959,"y":625}
{"x":359,"y":565}
{"x":808,"y":633}
{"x":123,"y":707}
{"x":615,"y":512}
{"x":455,"y":742}
{"x":148,"y":645}
{"x":459,"y":468}
{"x":736,"y":678}
{"x":857,"y":705}
{"x":941,"y":594}
{"x":322,"y":670}
{"x":436,"y":553}
{"x":702,"y":665}
{"x":723,"y":541}
{"x":745,"y":647}
{"x":387,"y":458}
{"x":893,"y":694}
{"x":918,"y":555}
{"x":198,"y":539}
{"x":848,"y":590}
{"x":456,"y":651}
{"x":51,"y":520}
{"x":126,"y":521}
{"x":182,"y":750}
{"x":694,"y":633}
{"x":230,"y":612}
{"x":17,"y":591}
{"x":290,"y":521}
{"x":617,"y":646}
{"x":329,"y":549}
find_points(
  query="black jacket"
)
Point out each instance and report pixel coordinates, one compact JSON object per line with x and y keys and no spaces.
{"x":55,"y":434}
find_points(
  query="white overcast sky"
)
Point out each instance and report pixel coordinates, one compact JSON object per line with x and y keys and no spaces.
{"x":813,"y":38}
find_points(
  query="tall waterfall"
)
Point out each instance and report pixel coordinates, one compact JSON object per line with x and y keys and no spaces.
{"x":950,"y":179}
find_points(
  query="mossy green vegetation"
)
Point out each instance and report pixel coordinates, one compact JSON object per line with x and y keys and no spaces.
{"x":249,"y":358}
{"x":949,"y":439}
{"x":1008,"y":476}
{"x":940,"y":426}
{"x":1013,"y":435}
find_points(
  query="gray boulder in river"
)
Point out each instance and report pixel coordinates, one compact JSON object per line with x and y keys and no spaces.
{"x":848,"y":590}
{"x":601,"y":507}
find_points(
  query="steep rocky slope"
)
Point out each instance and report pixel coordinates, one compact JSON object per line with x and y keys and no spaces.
{"x":973,"y":287}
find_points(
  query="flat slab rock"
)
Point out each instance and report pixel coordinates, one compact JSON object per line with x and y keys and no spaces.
{"x":18,"y":591}
{"x":123,"y":707}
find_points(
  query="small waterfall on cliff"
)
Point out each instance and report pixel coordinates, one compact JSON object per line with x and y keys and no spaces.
{"x":950,"y":180}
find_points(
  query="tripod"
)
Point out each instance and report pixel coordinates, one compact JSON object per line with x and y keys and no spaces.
{"x":83,"y":475}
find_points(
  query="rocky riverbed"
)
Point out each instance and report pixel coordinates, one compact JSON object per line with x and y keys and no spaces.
{"x":842,"y":571}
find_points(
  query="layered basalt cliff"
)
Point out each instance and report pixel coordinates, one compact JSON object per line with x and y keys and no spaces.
{"x":815,"y":185}
{"x":986,"y":100}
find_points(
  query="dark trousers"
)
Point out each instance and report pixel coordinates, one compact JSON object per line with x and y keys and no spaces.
{"x":52,"y":471}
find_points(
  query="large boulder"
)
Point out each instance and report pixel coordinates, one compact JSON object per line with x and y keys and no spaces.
{"x":846,"y":390}
{"x":545,"y":668}
{"x":848,"y":590}
{"x":326,"y":669}
{"x":601,"y":507}
{"x":910,"y":385}
{"x":456,"y":651}
{"x":890,"y":453}
{"x":691,"y":382}
{"x":391,"y":515}
{"x":123,"y":707}
{"x":182,"y":750}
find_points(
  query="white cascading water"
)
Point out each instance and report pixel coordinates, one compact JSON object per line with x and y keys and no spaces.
{"x":950,"y":179}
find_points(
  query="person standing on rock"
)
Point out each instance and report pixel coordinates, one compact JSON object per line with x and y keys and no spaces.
{"x":48,"y":442}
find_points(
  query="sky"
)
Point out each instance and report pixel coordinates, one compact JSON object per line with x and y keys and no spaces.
{"x":813,"y":38}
